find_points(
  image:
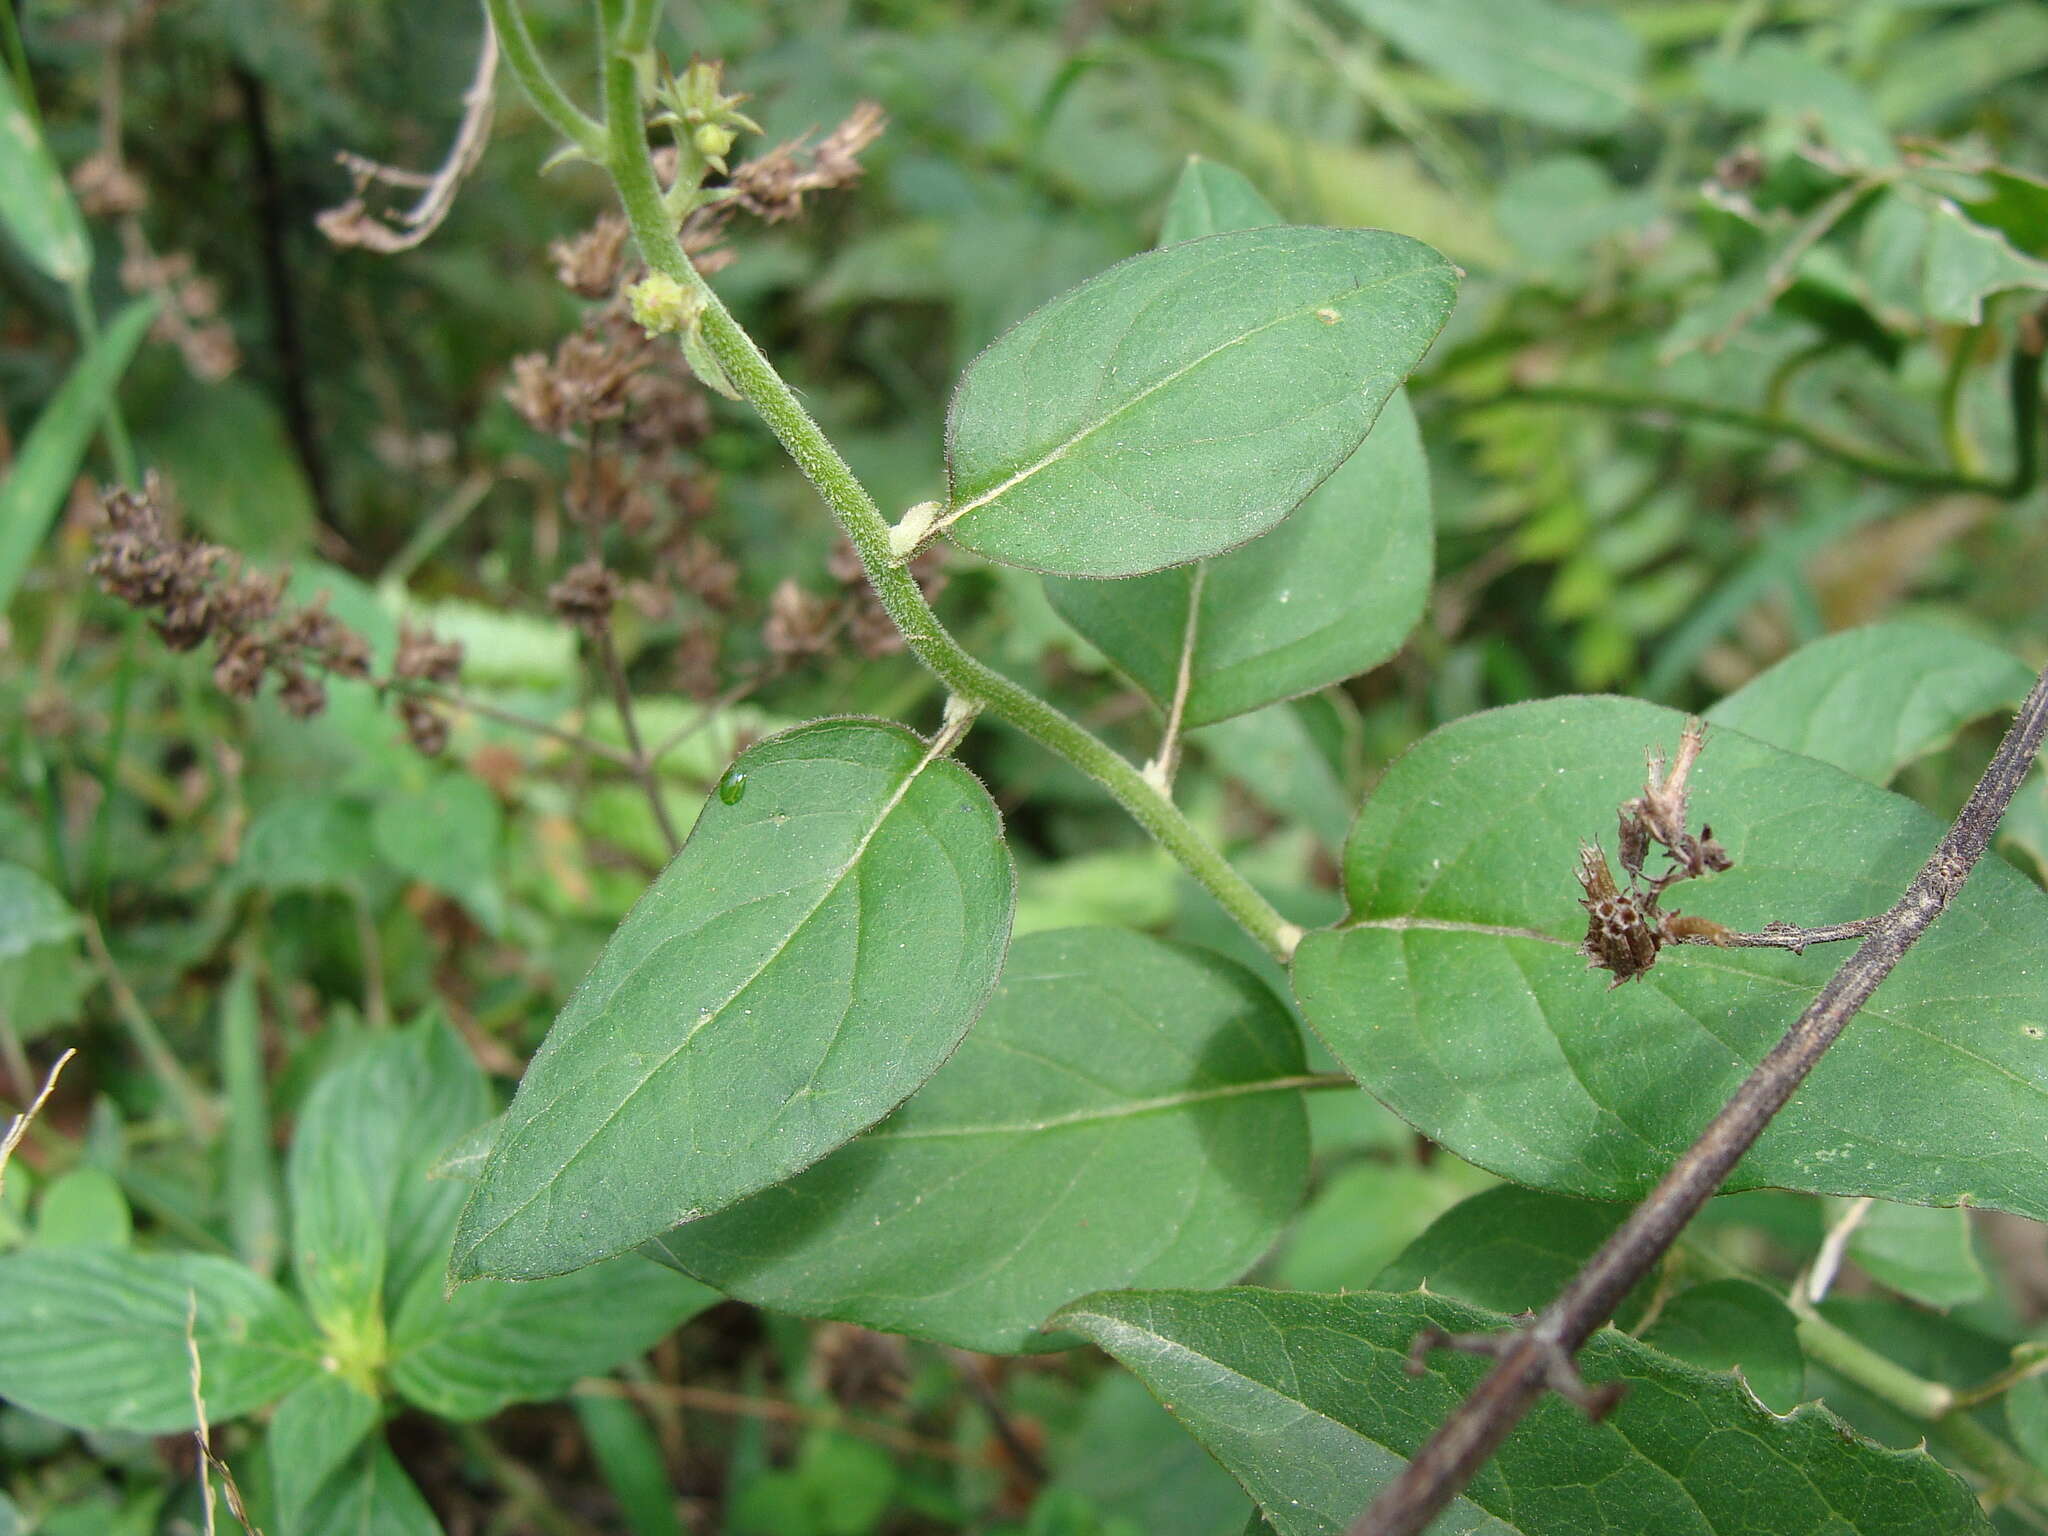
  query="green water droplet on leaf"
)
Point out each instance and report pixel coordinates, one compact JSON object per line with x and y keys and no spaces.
{"x":732,"y":786}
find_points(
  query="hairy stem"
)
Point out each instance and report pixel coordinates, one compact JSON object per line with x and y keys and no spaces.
{"x":968,"y":678}
{"x":534,"y":77}
{"x":1475,"y":1429}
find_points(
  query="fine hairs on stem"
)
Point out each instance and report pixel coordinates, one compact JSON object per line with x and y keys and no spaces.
{"x":1539,"y":1356}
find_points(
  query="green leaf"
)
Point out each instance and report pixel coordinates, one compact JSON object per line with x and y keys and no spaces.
{"x":631,"y":1462}
{"x":31,"y":912}
{"x":2026,"y":1414}
{"x":1774,"y":75}
{"x":1185,"y":400}
{"x":97,"y":1339}
{"x":1331,"y":592}
{"x":1126,"y":1110}
{"x":226,"y":448}
{"x":495,"y":1343}
{"x":319,"y":842}
{"x":83,"y":1208}
{"x":445,"y":836}
{"x":1508,"y":1248}
{"x":1920,"y":1252}
{"x":370,"y":1494}
{"x":249,"y":1171}
{"x":367,"y":1222}
{"x":1735,"y":1325}
{"x":1570,"y":66}
{"x":1210,"y":198}
{"x":35,"y":204}
{"x":815,"y":952}
{"x":316,"y":1429}
{"x":1131,"y":1461}
{"x":1306,"y":1399}
{"x":1872,"y":700}
{"x":1273,"y":756}
{"x":1965,"y":263}
{"x":1461,"y":865}
{"x":1366,"y":1217}
{"x":40,"y":477}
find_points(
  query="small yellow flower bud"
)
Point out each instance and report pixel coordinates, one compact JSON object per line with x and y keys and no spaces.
{"x":661,"y":305}
{"x":713,"y":141}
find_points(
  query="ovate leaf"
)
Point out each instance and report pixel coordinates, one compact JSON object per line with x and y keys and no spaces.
{"x":1185,"y":400}
{"x":1735,"y":1325}
{"x":495,"y":1343}
{"x":1507,"y":1248}
{"x":1872,"y":700}
{"x":31,"y":912}
{"x":367,"y":1221}
{"x":36,"y":483}
{"x":35,"y":206}
{"x":1330,"y":593}
{"x":1306,"y":1399}
{"x":371,"y":1493}
{"x":446,"y":836}
{"x":813,"y":954}
{"x":1132,"y":1462}
{"x":1922,"y":1253}
{"x":316,"y":1429}
{"x":1571,"y":66}
{"x":96,"y":1338}
{"x":1460,"y":866}
{"x":1126,"y":1109}
{"x":1210,"y":198}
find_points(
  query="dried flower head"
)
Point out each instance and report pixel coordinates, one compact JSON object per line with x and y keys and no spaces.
{"x":799,"y":622}
{"x":772,"y":187}
{"x":591,"y":264}
{"x":586,"y":596}
{"x":1624,"y":928}
{"x":1622,"y":933}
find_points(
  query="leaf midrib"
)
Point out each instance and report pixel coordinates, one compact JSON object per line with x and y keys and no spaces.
{"x":707,"y":1016}
{"x":1057,"y":454}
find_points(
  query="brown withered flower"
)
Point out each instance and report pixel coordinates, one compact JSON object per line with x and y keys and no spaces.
{"x":1624,"y":928}
{"x":199,"y":592}
{"x":586,"y":595}
{"x":799,"y":623}
{"x":1622,"y":931}
{"x":590,"y":264}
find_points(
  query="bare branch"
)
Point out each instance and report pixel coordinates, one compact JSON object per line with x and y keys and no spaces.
{"x":352,"y":223}
{"x":18,"y":1126}
{"x":1475,"y":1429}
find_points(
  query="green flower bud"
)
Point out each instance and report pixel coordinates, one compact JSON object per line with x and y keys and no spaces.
{"x":662,"y":306}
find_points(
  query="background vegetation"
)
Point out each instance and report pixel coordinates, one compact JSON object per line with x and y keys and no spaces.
{"x":1730,"y":372}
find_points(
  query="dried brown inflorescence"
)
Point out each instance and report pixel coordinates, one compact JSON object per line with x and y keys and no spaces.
{"x":199,"y":592}
{"x":1624,"y":928}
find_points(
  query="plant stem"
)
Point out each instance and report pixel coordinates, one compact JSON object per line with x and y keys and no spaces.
{"x":199,"y":1114}
{"x":1783,"y":936}
{"x":119,"y":448}
{"x":1475,"y":1429}
{"x":1944,"y":1410}
{"x":642,"y":766}
{"x":2025,"y":388}
{"x":971,"y":680}
{"x":1955,"y":431}
{"x":534,"y":77}
{"x":1166,"y":761}
{"x":454,"y":698}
